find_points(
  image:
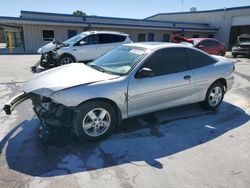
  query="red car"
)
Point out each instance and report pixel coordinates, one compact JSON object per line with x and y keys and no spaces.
{"x":208,"y":45}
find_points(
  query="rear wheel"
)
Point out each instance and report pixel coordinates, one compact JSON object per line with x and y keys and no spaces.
{"x":214,"y":96}
{"x":234,"y":55}
{"x":95,"y":120}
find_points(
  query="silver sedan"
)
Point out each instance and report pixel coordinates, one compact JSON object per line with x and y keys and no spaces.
{"x":130,"y":80}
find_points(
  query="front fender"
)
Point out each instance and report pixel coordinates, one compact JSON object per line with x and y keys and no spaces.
{"x":114,"y":90}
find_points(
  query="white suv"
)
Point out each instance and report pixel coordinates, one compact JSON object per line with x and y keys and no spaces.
{"x":89,"y":45}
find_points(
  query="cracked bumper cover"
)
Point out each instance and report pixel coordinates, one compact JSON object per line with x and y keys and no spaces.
{"x":14,"y":102}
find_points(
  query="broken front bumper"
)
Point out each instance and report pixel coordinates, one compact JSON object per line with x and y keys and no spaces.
{"x":14,"y":102}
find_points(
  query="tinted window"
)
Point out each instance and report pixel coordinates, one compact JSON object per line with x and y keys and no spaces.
{"x":212,"y":43}
{"x":107,"y":38}
{"x":89,"y":40}
{"x":119,"y":38}
{"x":198,"y":59}
{"x":167,"y":61}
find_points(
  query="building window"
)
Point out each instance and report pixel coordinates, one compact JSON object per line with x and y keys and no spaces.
{"x":141,"y":37}
{"x":195,"y":36}
{"x":166,"y":38}
{"x":151,"y":37}
{"x":211,"y":36}
{"x":48,"y":35}
{"x":72,"y":33}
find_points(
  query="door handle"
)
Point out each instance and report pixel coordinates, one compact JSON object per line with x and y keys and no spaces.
{"x":188,"y":77}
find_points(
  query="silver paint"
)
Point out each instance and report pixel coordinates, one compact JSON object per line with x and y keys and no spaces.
{"x":74,"y":84}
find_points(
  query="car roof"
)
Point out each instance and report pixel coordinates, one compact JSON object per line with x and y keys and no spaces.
{"x":104,"y":32}
{"x":155,"y":45}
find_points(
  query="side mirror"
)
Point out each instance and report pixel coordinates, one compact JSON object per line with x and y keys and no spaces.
{"x":144,"y":73}
{"x":82,"y":43}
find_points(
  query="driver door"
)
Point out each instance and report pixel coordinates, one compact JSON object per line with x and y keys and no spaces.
{"x":171,"y":85}
{"x":86,"y":49}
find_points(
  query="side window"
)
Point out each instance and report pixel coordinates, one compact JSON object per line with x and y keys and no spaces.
{"x":198,"y":59}
{"x":119,"y":38}
{"x":106,"y":38}
{"x":89,"y":40}
{"x":167,"y":61}
{"x":213,"y":43}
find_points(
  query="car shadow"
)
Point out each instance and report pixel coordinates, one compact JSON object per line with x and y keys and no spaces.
{"x":139,"y":141}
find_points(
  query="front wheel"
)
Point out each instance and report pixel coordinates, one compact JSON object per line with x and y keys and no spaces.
{"x":66,"y":59}
{"x":95,"y":120}
{"x":214,"y":96}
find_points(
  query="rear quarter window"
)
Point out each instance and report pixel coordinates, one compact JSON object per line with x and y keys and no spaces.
{"x":110,"y":38}
{"x":198,"y":59}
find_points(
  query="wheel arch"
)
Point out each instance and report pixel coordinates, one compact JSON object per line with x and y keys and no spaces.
{"x":109,"y":101}
{"x":68,"y":54}
{"x":223,"y":81}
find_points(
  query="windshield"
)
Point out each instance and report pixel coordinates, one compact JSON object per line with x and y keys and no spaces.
{"x":119,"y":60}
{"x":74,"y":39}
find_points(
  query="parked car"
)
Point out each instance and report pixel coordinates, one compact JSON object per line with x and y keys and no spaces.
{"x":127,"y":81}
{"x":242,"y":47}
{"x":211,"y":46}
{"x":84,"y":47}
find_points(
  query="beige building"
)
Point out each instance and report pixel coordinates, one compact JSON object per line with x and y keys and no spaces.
{"x":32,"y":30}
{"x":231,"y":22}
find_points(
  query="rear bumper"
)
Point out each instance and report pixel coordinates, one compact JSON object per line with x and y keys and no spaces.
{"x":14,"y":102}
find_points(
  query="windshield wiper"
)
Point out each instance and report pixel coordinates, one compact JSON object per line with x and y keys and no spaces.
{"x":98,"y":68}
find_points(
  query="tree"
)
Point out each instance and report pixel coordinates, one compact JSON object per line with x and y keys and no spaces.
{"x":79,"y":12}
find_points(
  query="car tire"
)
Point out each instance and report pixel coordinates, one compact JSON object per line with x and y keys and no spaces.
{"x":66,"y":59}
{"x":94,"y":120}
{"x":214,"y":96}
{"x":234,"y":55}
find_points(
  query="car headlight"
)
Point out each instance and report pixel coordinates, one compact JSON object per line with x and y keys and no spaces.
{"x":40,"y":51}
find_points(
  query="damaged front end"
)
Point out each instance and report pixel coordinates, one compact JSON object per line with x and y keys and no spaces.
{"x":47,"y":111}
{"x":51,"y":113}
{"x":14,"y":102}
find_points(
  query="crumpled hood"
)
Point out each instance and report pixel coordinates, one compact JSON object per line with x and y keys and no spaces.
{"x":46,"y":48}
{"x":63,"y":77}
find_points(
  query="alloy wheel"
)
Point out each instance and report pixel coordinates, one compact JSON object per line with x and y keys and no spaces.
{"x":96,"y":122}
{"x":215,"y":96}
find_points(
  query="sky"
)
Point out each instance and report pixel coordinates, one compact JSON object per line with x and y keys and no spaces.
{"x":114,"y":8}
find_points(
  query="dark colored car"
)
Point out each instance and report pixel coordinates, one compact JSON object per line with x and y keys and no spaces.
{"x":210,"y":46}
